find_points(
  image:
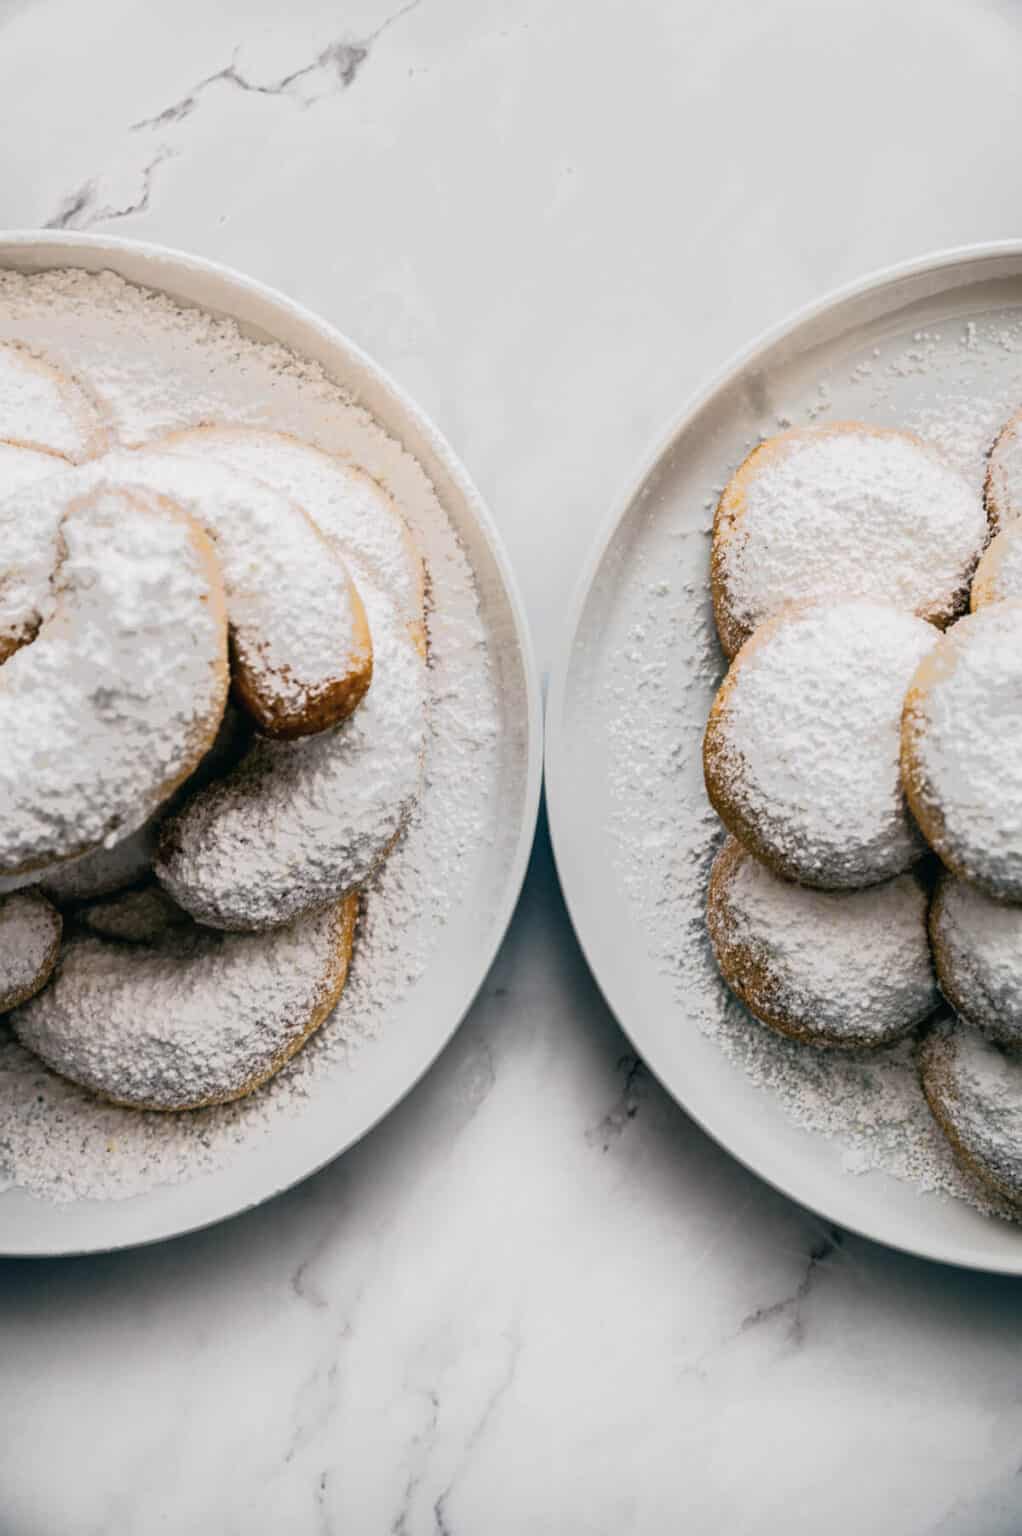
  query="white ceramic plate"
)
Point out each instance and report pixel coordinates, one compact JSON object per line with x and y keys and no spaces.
{"x":901,"y":345}
{"x":386,"y":1067}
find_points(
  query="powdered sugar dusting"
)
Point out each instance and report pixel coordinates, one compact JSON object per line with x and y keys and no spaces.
{"x":962,"y":426}
{"x":161,"y":369}
{"x":20,"y":466}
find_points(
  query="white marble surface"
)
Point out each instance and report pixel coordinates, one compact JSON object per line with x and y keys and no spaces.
{"x":537,"y":1299}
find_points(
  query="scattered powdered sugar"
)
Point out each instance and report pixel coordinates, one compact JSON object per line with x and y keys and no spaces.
{"x":803,"y":745}
{"x":123,"y":688}
{"x":963,"y":748}
{"x":29,"y":936}
{"x":978,"y":943}
{"x":845,"y":967}
{"x":843,"y":511}
{"x":655,"y":664}
{"x":160,"y":369}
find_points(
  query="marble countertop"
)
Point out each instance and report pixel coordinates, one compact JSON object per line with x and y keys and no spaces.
{"x":537,"y":1299}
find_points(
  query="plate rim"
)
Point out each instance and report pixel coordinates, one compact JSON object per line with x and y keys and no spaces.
{"x":726,"y":376}
{"x":64,"y":244}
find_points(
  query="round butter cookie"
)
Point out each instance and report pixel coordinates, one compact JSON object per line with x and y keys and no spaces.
{"x":801,"y":753}
{"x":961,"y":749}
{"x":974,"y":1089}
{"x":977,"y":948}
{"x":834,"y":968}
{"x":29,"y":944}
{"x":826,"y":512}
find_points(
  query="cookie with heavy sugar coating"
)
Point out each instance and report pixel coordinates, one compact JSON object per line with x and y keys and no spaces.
{"x":848,"y":509}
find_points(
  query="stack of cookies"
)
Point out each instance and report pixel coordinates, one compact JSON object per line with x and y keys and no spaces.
{"x":864,"y":753}
{"x":213,"y":709}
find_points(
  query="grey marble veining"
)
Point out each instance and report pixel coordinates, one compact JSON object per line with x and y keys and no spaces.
{"x":537,"y":1298}
{"x":333,"y":68}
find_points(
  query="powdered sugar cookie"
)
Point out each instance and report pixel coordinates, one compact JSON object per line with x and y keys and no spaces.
{"x":129,"y":862}
{"x":299,"y":824}
{"x":41,"y":407}
{"x":801,"y":749}
{"x":1003,"y":488}
{"x":977,"y":948}
{"x":301,"y":655}
{"x":192,"y":1018}
{"x":998,"y":577}
{"x":841,"y":510}
{"x":844,"y":968}
{"x":120,"y":692}
{"x":29,"y":944}
{"x":346,"y":503}
{"x":301,"y":651}
{"x":961,"y":749}
{"x":974,"y":1089}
